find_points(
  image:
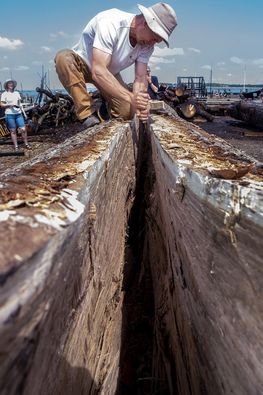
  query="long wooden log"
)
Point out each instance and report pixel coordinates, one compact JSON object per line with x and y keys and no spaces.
{"x":63,"y":221}
{"x":204,"y":240}
{"x":249,"y":112}
{"x":191,"y":108}
{"x":61,"y":308}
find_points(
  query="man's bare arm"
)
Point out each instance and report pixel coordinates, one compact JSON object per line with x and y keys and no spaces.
{"x":140,"y":82}
{"x":140,"y":86}
{"x":106,"y":81}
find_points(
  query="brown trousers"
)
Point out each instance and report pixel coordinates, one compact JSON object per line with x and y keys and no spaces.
{"x":74,"y":73}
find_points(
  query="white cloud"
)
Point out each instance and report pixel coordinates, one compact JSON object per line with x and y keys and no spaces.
{"x":221,"y":63}
{"x":156,"y":68}
{"x":58,"y":34}
{"x":258,"y":61}
{"x":21,"y":68}
{"x":163,"y":52}
{"x":5,"y":69}
{"x":5,"y":57}
{"x":155,"y":59}
{"x":37,"y":62}
{"x":63,"y":34}
{"x":237,"y":60}
{"x":160,"y":55}
{"x":46,"y":49}
{"x":11,"y":44}
{"x":194,"y":50}
{"x":229,"y":75}
{"x":206,"y":67}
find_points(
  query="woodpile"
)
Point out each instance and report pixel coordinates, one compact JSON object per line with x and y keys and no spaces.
{"x":57,"y":110}
{"x":185,"y":105}
{"x":3,"y":128}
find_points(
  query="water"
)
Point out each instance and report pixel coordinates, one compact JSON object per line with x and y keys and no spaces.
{"x":31,"y":95}
{"x":234,"y":88}
{"x":216,"y":89}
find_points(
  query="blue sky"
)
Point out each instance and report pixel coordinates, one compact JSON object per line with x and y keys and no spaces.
{"x":222,"y":34}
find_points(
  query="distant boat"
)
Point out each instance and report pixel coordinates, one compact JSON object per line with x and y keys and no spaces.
{"x":252,"y":95}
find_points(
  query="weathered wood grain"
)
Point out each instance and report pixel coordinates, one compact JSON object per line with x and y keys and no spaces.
{"x":63,"y":224}
{"x":61,"y":266}
{"x":204,"y":244}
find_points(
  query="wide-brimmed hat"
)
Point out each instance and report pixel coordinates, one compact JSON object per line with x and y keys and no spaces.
{"x":161,"y":19}
{"x":10,"y":80}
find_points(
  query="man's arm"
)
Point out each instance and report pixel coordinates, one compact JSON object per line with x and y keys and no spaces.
{"x":140,"y":82}
{"x":140,"y":87}
{"x":106,"y":81}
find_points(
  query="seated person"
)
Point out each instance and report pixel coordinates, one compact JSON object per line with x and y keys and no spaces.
{"x":153,"y":85}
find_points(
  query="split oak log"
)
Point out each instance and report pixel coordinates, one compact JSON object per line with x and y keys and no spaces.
{"x":62,"y":263}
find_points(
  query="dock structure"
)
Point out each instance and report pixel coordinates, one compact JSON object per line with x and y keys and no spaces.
{"x":163,"y":215}
{"x":197,"y":85}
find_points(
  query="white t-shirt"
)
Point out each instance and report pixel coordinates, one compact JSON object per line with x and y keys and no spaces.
{"x":11,"y":98}
{"x":109,"y":31}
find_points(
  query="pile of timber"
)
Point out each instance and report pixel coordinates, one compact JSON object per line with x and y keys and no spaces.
{"x":3,"y":128}
{"x":57,"y":110}
{"x":186,"y":105}
{"x":248,"y":111}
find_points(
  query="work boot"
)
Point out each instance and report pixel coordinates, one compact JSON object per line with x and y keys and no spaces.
{"x":92,"y":120}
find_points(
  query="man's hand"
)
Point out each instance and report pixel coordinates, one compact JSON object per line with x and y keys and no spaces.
{"x":149,"y":79}
{"x":143,"y":115}
{"x":141,"y":105}
{"x":140,"y":100}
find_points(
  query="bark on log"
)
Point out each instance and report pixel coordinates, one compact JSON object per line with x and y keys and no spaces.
{"x":249,"y":112}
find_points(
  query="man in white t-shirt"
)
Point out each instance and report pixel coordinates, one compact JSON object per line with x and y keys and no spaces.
{"x":112,"y":41}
